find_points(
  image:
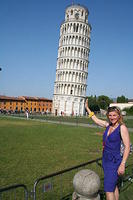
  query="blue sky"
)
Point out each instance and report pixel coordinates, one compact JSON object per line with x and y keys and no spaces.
{"x":29,"y":36}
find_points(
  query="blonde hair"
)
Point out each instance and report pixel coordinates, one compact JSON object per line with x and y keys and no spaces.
{"x":118,"y":111}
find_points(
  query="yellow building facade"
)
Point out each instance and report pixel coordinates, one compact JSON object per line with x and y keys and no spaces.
{"x":23,"y":103}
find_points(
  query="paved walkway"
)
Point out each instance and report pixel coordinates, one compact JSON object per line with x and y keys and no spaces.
{"x":65,"y":123}
{"x":73,"y":124}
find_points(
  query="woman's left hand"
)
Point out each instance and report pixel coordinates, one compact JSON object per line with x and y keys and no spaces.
{"x":121,"y":169}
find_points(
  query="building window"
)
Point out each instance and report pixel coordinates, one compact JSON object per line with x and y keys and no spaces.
{"x":77,"y":28}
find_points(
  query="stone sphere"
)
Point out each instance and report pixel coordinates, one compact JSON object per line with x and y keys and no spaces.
{"x":86,"y":183}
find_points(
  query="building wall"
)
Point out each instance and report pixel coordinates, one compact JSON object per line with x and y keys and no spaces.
{"x":122,"y":105}
{"x":32,"y":104}
{"x":11,"y":104}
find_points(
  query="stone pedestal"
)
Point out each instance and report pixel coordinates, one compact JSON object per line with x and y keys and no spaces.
{"x":86,"y":185}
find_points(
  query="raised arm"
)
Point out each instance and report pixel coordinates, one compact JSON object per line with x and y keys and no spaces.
{"x":98,"y":121}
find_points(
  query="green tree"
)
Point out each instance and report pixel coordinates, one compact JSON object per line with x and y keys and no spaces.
{"x":129,"y":111}
{"x":122,"y":99}
{"x":104,"y":101}
{"x":92,"y":103}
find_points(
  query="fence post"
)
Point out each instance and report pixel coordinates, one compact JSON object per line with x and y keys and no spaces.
{"x":34,"y":190}
{"x":86,"y":185}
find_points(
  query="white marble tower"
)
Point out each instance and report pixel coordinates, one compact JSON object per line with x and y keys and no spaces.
{"x":72,"y":62}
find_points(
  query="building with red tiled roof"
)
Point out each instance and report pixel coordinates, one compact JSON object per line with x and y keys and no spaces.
{"x":22,"y":103}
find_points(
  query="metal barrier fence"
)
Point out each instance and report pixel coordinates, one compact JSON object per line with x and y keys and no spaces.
{"x":14,"y":192}
{"x":51,"y":187}
{"x":126,"y":180}
{"x":59,"y":185}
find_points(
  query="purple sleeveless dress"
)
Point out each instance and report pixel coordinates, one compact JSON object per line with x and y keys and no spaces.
{"x":111,"y":158}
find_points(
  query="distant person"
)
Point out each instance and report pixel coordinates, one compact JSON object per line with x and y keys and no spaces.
{"x":112,"y":161}
{"x":27,"y":114}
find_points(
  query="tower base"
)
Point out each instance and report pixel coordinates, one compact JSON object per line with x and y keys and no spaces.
{"x":68,"y":105}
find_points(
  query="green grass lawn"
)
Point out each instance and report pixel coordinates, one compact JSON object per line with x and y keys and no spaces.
{"x":31,"y":149}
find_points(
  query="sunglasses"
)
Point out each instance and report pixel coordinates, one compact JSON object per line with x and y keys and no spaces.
{"x":114,"y":108}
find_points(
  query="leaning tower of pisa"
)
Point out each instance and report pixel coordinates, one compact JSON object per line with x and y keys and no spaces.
{"x":72,"y":62}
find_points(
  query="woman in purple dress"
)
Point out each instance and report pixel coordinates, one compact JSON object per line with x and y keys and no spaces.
{"x":113,"y":163}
